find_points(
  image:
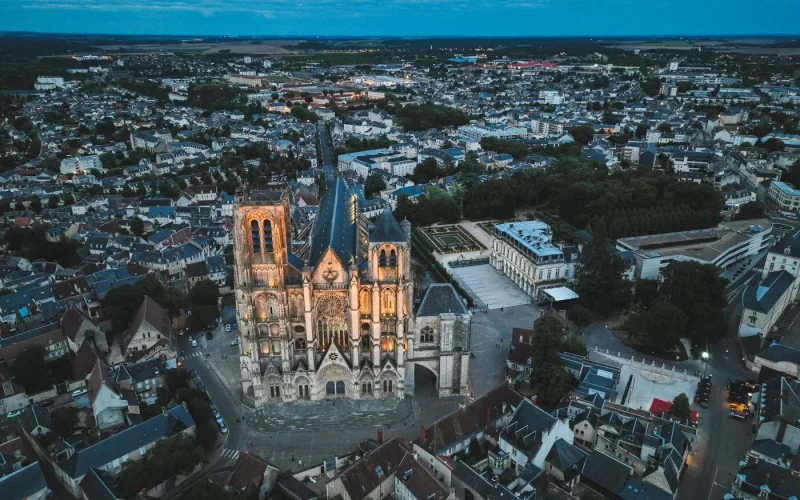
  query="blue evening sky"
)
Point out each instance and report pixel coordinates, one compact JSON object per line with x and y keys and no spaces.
{"x":404,"y":17}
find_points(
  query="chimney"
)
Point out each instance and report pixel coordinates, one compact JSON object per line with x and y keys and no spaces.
{"x":421,"y":434}
{"x":380,"y":435}
{"x":185,"y":406}
{"x":164,"y":410}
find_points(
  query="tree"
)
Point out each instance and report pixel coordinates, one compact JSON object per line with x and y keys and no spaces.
{"x":602,"y":286}
{"x":69,"y":199}
{"x":750,"y":210}
{"x":699,"y":292}
{"x":30,"y":369}
{"x":660,"y":327}
{"x":374,"y":184}
{"x":580,"y":315}
{"x":680,"y":407}
{"x":137,"y":226}
{"x":167,"y":458}
{"x":52,"y":202}
{"x":574,"y":345}
{"x":583,"y":134}
{"x":36,"y":205}
{"x":51,"y":163}
{"x":426,"y":171}
{"x":549,"y":377}
{"x":63,"y":421}
{"x":204,"y":300}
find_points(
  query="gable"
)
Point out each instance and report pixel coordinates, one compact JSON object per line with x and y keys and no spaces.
{"x":330,"y":270}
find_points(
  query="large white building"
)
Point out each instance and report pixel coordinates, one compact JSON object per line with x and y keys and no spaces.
{"x":478,"y":133}
{"x":525,"y":252}
{"x":81,"y":164}
{"x":546,"y":127}
{"x":49,"y":82}
{"x":721,"y":246}
{"x":388,"y":159}
{"x":784,"y":198}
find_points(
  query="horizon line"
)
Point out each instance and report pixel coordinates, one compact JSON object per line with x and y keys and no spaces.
{"x":430,"y":36}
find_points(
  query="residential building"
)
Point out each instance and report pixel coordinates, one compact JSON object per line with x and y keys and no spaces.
{"x":81,"y":164}
{"x":763,"y":303}
{"x":784,"y":198}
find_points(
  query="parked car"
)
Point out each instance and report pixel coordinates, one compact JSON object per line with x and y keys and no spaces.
{"x":209,"y":336}
{"x":213,"y":407}
{"x":48,"y":402}
{"x":235,"y":342}
{"x":218,"y":418}
{"x":193,"y":373}
{"x":223,"y":429}
{"x":14,"y":414}
{"x":194,"y":343}
{"x":228,"y":327}
{"x":191,"y":338}
{"x":78,"y":392}
{"x":201,"y":387}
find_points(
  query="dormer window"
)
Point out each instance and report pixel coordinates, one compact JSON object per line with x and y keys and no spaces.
{"x":787,"y":250}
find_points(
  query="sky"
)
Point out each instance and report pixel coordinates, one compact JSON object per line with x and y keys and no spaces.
{"x":403,"y":17}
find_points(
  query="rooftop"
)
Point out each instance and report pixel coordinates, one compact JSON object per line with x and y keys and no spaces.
{"x":702,"y":244}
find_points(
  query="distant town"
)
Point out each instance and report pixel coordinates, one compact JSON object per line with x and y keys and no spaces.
{"x":423,"y":269}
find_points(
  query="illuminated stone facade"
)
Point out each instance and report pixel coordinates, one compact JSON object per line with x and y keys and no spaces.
{"x":328,"y":312}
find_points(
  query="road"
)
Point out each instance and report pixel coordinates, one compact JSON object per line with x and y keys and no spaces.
{"x":228,"y":408}
{"x":323,"y":142}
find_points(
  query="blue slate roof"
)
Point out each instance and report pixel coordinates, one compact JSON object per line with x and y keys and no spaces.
{"x":335,"y":226}
{"x":387,"y":229}
{"x":763,"y":296}
{"x":24,"y":483}
{"x":161,"y":212}
{"x":106,"y":451}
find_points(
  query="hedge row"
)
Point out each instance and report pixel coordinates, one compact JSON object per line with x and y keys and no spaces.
{"x":423,"y":251}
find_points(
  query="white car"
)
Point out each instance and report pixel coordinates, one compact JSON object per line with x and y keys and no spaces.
{"x":223,"y":429}
{"x":194,"y":343}
{"x":78,"y":392}
{"x":235,"y":342}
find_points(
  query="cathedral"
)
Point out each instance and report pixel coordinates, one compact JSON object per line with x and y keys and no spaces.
{"x":328,"y":311}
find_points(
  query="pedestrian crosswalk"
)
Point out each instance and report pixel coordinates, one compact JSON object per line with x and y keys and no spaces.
{"x":232,"y":454}
{"x":191,"y":355}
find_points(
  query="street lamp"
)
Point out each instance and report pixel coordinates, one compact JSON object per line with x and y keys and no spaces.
{"x":704,"y":355}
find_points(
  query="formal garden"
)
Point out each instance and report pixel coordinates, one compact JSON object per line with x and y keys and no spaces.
{"x":451,"y":239}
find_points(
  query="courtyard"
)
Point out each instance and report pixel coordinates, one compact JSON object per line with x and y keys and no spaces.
{"x":451,"y":239}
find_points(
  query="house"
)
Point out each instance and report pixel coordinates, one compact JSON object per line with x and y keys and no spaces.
{"x":107,"y":403}
{"x":78,"y":328}
{"x":149,"y":331}
{"x":763,"y":303}
{"x":26,"y":483}
{"x":777,"y":412}
{"x":143,"y":378}
{"x":35,"y":420}
{"x":614,"y":480}
{"x":74,"y":462}
{"x":763,"y":479}
{"x":390,"y":470}
{"x":530,"y":435}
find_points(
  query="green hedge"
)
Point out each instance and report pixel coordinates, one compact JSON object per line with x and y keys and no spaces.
{"x":423,"y":251}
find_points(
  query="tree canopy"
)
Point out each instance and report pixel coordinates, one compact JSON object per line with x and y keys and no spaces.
{"x":428,"y":115}
{"x":121,"y":303}
{"x":601,"y":283}
{"x":699,"y":292}
{"x":204,"y":300}
{"x":680,"y":407}
{"x":167,"y":458}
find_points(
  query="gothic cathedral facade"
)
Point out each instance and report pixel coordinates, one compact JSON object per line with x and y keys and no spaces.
{"x":328,"y":311}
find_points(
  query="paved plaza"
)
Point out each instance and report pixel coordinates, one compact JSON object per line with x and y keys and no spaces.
{"x":493,"y":288}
